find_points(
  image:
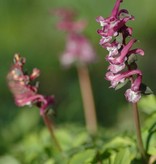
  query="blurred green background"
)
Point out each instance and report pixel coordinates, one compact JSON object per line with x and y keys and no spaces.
{"x":28,"y":27}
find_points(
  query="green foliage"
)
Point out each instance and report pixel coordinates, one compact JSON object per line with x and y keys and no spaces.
{"x":85,"y":156}
{"x":8,"y":159}
{"x":148,"y":104}
{"x":27,"y":145}
{"x":36,"y":147}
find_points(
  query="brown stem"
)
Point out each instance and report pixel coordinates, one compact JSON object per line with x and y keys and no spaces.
{"x":152,"y":159}
{"x":50,"y":128}
{"x":87,"y":98}
{"x":138,"y":130}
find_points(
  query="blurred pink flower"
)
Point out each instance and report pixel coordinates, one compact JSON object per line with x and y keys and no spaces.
{"x":78,"y":48}
{"x":20,"y":84}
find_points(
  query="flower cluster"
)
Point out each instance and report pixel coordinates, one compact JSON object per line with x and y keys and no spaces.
{"x":78,"y":48}
{"x":121,"y":57}
{"x":24,"y":92}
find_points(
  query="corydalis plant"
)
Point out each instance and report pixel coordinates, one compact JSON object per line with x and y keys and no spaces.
{"x":25,"y":93}
{"x":122,"y":58}
{"x":79,"y":52}
{"x":21,"y":85}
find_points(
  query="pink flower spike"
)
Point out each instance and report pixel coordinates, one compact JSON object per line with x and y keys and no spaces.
{"x":22,"y":89}
{"x":117,"y":38}
{"x":78,"y":48}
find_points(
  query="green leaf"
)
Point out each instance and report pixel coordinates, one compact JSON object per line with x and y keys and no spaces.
{"x":120,"y":85}
{"x":149,"y":138}
{"x":108,"y":157}
{"x":50,"y":161}
{"x":118,"y":142}
{"x":120,"y":155}
{"x":145,"y":89}
{"x":148,"y":104}
{"x":25,"y":120}
{"x":149,"y":134}
{"x":150,"y":122}
{"x":86,"y":156}
{"x":123,"y":157}
{"x":7,"y":159}
{"x":65,"y":141}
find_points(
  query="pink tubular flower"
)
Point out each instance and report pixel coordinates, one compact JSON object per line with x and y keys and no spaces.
{"x":78,"y":48}
{"x":132,"y":96}
{"x":123,"y":54}
{"x":114,"y":35}
{"x":23,"y":91}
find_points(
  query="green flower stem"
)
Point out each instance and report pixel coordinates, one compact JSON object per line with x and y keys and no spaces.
{"x":88,"y":100}
{"x":138,"y":130}
{"x":50,"y":128}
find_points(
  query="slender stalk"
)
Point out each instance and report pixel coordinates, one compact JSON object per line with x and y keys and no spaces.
{"x":138,"y":130}
{"x":50,"y":128}
{"x":152,"y":159}
{"x":88,"y":100}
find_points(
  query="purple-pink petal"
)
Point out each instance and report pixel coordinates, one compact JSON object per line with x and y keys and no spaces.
{"x":124,"y":52}
{"x":136,"y":51}
{"x":116,"y":68}
{"x":116,"y":8}
{"x":136,"y":84}
{"x":118,"y":78}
